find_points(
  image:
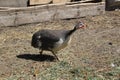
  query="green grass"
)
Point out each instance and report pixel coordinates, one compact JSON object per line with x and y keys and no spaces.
{"x":64,"y":71}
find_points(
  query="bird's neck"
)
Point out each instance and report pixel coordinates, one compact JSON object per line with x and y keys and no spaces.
{"x":70,"y":32}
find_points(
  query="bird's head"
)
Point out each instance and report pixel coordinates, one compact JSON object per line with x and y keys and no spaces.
{"x":79,"y":25}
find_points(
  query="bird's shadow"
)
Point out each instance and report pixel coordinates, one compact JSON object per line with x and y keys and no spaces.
{"x":37,"y":57}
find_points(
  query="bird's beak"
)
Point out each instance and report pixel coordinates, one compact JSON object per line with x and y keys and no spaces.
{"x":84,"y":27}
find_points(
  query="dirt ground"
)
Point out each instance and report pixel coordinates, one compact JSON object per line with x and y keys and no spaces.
{"x":96,"y":46}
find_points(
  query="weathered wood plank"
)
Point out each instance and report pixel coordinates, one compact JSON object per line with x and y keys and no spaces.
{"x":60,"y":1}
{"x":19,"y":16}
{"x":36,"y":2}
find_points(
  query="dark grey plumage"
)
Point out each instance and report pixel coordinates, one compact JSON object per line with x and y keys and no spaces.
{"x":53,"y":40}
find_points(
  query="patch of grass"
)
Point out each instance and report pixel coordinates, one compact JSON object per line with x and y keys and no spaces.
{"x":58,"y":71}
{"x":84,"y":73}
{"x":113,"y":74}
{"x":87,"y":73}
{"x":64,"y":71}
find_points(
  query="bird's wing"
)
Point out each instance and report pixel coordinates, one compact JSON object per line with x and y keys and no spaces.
{"x":48,"y":36}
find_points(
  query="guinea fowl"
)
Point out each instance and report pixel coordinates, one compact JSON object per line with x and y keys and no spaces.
{"x":53,"y":40}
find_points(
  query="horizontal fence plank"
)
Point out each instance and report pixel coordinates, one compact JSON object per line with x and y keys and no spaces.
{"x":35,"y":14}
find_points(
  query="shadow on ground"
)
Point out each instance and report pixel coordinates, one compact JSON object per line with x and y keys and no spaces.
{"x":36,"y":57}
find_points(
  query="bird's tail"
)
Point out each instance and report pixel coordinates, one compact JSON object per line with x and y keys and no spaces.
{"x":34,"y":42}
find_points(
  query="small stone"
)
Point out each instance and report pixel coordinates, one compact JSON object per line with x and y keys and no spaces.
{"x":112,"y":65}
{"x":110,"y":43}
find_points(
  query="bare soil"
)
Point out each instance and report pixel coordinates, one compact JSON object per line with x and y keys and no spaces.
{"x":97,"y":46}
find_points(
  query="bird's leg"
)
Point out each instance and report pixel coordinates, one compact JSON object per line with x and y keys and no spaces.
{"x":54,"y":53}
{"x":41,"y":52}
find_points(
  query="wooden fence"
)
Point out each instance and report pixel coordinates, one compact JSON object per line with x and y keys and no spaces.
{"x":35,"y":14}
